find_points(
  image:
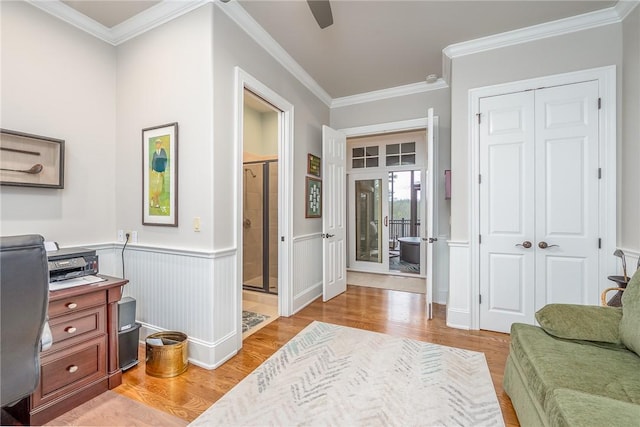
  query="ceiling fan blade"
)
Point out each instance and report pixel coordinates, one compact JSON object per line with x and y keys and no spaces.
{"x":321,"y":10}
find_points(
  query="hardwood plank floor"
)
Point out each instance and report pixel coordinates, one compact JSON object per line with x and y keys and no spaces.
{"x":392,"y":312}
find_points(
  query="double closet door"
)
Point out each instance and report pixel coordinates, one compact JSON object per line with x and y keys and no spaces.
{"x":539,"y":202}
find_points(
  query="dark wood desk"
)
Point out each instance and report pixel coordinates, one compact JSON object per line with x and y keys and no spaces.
{"x":83,"y":360}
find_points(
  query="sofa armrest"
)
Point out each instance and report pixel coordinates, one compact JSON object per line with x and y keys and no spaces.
{"x":581,"y":322}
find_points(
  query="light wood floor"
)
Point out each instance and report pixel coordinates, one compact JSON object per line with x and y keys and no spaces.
{"x":392,"y":312}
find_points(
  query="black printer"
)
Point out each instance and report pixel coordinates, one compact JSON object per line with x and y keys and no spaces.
{"x":68,"y":263}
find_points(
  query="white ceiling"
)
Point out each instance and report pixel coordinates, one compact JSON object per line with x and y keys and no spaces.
{"x":372,"y":45}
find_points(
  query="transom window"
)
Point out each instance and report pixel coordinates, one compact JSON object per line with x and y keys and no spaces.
{"x":401,"y":154}
{"x":365,"y":157}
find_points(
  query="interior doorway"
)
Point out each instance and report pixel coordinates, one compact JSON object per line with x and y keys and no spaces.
{"x":386,"y":203}
{"x":260,"y":212}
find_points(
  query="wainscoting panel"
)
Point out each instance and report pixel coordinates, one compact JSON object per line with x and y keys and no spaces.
{"x":307,"y":270}
{"x":459,"y":305}
{"x":441,"y":279}
{"x":188,"y":291}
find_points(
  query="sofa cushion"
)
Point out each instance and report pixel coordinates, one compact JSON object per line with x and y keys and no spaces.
{"x":630,"y":323}
{"x":581,"y":322}
{"x":549,"y":363}
{"x":573,"y":408}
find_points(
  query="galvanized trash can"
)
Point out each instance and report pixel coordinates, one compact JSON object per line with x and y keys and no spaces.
{"x":166,"y":354}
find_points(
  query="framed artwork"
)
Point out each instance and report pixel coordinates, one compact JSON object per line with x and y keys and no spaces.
{"x":313,"y":198}
{"x":160,"y":175}
{"x":313,"y":165}
{"x":30,"y":160}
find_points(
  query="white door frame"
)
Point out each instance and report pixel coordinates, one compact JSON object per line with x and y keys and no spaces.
{"x":399,"y":126}
{"x":244,"y":80}
{"x":606,"y":77}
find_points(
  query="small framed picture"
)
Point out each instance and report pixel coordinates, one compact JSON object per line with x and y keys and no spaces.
{"x":160,"y":175}
{"x":313,"y":199}
{"x":313,"y":165}
{"x":30,"y":160}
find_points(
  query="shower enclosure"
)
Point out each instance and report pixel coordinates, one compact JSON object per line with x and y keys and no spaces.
{"x":260,"y":226}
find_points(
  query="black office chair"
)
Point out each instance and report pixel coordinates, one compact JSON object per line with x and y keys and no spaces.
{"x":24,"y":297}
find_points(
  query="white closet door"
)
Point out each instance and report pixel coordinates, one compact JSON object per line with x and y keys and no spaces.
{"x":507,"y":254}
{"x":538,"y":202}
{"x":567,"y":194}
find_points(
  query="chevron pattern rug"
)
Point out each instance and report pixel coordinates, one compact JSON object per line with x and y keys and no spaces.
{"x":335,"y":375}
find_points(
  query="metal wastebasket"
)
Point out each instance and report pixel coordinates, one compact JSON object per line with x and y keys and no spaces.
{"x":166,"y":354}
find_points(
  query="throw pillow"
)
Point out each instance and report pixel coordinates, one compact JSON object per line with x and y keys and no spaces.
{"x":581,"y":322}
{"x":630,"y":323}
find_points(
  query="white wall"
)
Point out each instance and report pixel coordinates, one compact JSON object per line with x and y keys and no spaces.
{"x":591,"y":48}
{"x":60,"y":82}
{"x":165,"y":75}
{"x":629,"y":153}
{"x":260,"y":133}
{"x":233,"y":47}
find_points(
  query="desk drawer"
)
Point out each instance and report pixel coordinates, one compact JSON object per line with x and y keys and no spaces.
{"x":76,"y":303}
{"x":79,"y":326}
{"x":71,"y":368}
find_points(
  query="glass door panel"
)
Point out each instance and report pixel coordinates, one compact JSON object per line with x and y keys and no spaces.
{"x":404,"y":225}
{"x":369,"y":221}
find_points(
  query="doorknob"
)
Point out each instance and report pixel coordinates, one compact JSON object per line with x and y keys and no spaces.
{"x":526,"y":244}
{"x":386,"y":221}
{"x":545,"y":245}
{"x":432,"y":239}
{"x":327,"y":236}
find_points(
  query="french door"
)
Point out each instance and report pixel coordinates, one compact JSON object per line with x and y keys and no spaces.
{"x":539,"y":197}
{"x":369,"y":221}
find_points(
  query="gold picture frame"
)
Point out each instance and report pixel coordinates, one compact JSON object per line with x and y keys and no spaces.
{"x":313,"y":165}
{"x":28,"y":160}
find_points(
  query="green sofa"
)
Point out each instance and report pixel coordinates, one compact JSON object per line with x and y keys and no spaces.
{"x":580,"y":367}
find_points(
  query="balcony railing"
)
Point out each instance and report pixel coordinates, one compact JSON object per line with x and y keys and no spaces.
{"x":403,"y":228}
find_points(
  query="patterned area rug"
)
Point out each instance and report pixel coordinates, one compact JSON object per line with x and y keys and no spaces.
{"x":334,"y":375}
{"x":251,"y":319}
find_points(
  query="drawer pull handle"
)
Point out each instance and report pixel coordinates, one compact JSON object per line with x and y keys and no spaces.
{"x":72,"y":369}
{"x":70,"y":330}
{"x":72,"y":305}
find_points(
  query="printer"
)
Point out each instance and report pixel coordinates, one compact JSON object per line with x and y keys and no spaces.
{"x":69,"y":263}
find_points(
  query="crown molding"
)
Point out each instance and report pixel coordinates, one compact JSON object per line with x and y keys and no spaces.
{"x":240,"y":16}
{"x":560,"y":27}
{"x":136,"y":25}
{"x":168,"y":10}
{"x":153,"y":17}
{"x":624,"y":7}
{"x":392,"y":92}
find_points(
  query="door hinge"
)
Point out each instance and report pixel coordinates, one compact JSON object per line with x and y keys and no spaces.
{"x":599,"y":173}
{"x":599,"y":103}
{"x":479,"y":179}
{"x":282,"y":238}
{"x":599,"y":243}
{"x":478,"y":114}
{"x":480,"y":299}
{"x":479,"y":238}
